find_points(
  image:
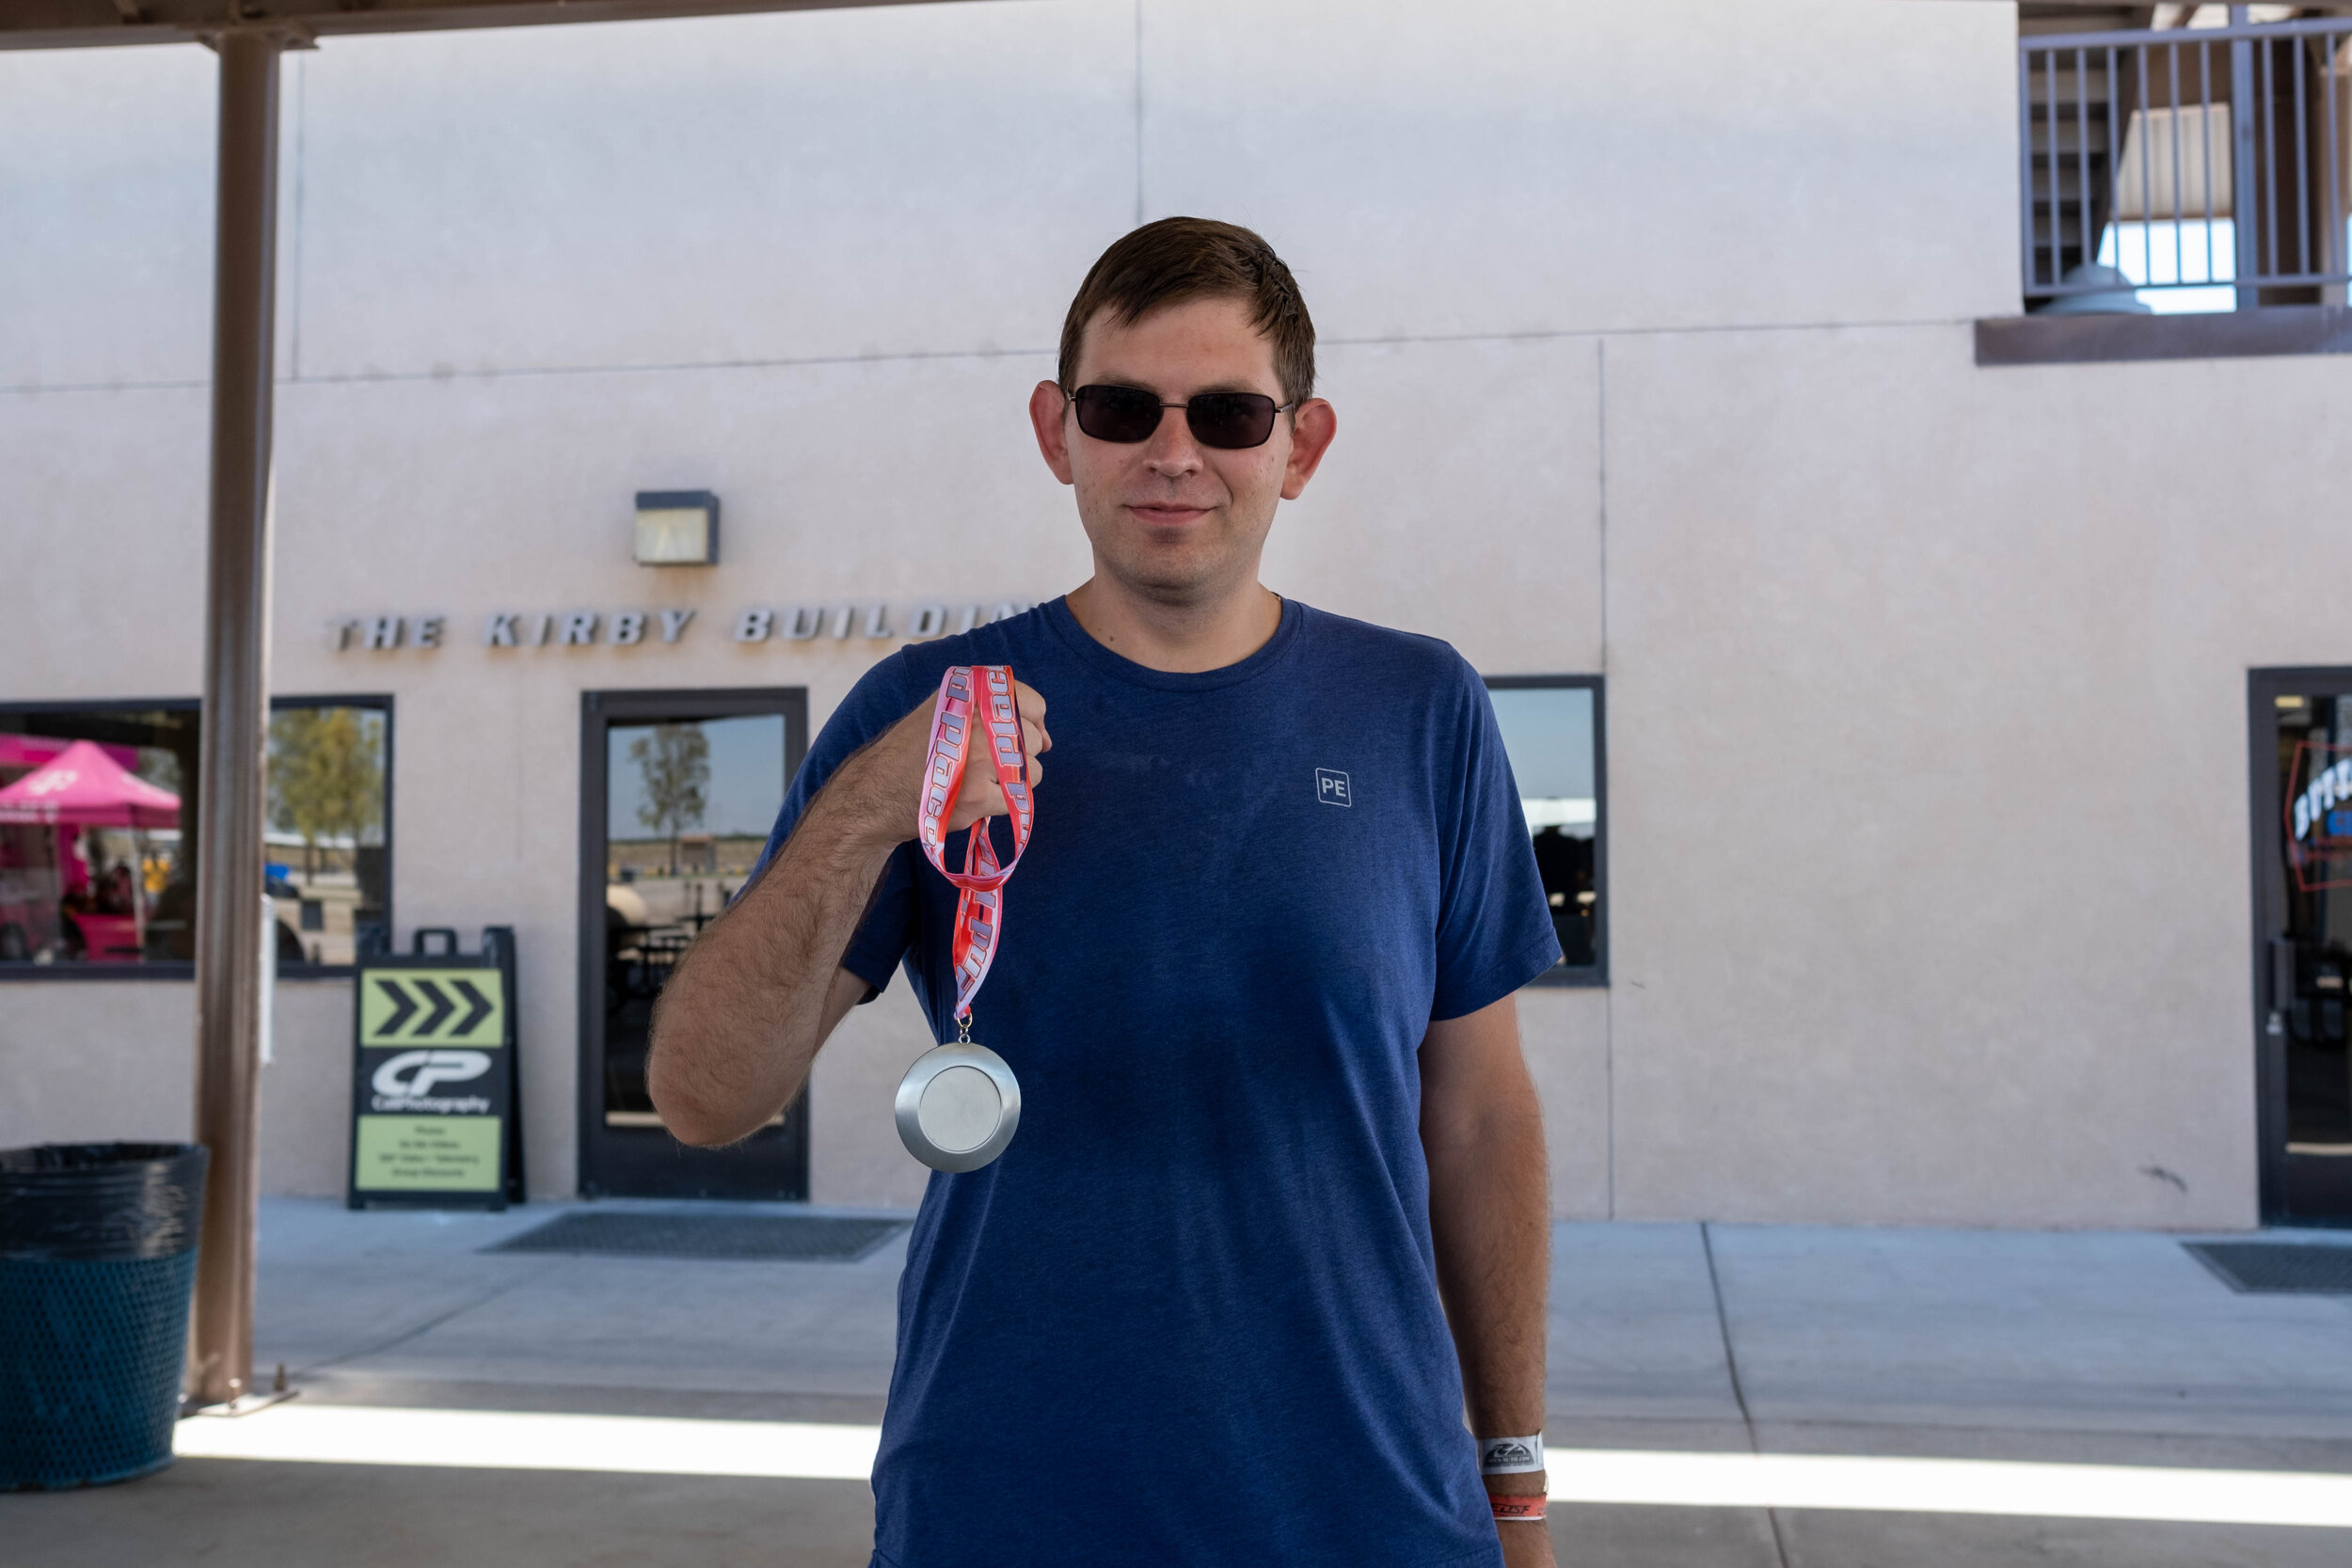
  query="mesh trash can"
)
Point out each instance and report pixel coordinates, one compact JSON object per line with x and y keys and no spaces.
{"x":97,"y":1264}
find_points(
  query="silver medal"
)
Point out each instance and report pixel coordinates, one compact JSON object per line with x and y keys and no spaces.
{"x":958,"y":1107}
{"x":959,"y":1103}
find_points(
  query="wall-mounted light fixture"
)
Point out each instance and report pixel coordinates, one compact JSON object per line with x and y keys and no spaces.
{"x":677,"y":527}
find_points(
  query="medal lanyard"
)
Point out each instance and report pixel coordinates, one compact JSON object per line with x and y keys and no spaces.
{"x":980,"y":904}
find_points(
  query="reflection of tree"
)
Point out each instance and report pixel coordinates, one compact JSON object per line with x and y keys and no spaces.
{"x":159,"y":767}
{"x":676,"y":762}
{"x":325,"y":775}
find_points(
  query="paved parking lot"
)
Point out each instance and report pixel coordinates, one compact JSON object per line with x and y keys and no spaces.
{"x":1667,"y":1340}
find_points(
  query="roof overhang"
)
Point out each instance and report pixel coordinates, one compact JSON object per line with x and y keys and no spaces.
{"x":84,"y":24}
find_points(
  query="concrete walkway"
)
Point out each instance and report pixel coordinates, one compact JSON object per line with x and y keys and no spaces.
{"x":2119,"y":1349}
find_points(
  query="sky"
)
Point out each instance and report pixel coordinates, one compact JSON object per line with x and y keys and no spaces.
{"x":746,"y":778}
{"x":1549,"y":733}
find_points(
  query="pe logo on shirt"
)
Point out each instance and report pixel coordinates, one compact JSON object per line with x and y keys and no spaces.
{"x":1331,"y":787}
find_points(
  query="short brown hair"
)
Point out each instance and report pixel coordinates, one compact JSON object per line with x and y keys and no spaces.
{"x":1174,"y":260}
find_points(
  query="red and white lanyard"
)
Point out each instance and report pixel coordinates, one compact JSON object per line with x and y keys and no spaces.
{"x":980,"y":905}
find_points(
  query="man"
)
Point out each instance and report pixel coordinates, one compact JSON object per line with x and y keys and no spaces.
{"x":1255,"y":977}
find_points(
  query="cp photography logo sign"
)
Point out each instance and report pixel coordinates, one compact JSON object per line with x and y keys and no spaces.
{"x":427,"y":1018}
{"x":629,"y":628}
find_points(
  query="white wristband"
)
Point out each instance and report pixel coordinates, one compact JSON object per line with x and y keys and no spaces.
{"x":1510,"y":1456}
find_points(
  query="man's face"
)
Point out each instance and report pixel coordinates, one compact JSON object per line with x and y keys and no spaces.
{"x":1169,"y":519}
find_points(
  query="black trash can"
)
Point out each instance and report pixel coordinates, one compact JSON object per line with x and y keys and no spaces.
{"x":97,"y":1265}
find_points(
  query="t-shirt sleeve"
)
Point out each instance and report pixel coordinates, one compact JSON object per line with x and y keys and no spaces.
{"x":882,"y":696}
{"x":1493,"y":929}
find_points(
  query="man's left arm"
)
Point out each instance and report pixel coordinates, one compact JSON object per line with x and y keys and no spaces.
{"x":1489,"y":1217}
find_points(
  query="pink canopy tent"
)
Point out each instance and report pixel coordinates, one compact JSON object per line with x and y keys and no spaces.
{"x":31,"y":750}
{"x":84,"y":787}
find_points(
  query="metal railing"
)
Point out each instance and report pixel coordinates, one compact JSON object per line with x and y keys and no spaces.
{"x":2228,"y":149}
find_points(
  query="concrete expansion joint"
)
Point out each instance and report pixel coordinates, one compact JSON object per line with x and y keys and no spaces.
{"x":341,"y":378}
{"x":1731,"y":1368}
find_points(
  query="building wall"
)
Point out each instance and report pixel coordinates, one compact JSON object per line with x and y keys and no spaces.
{"x":1647,"y":327}
{"x":1944,"y":669}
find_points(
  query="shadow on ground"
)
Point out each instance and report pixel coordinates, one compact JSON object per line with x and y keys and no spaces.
{"x":2109,"y":1349}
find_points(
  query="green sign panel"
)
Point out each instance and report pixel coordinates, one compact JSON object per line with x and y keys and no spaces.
{"x":432,"y":1007}
{"x":432,"y":1094}
{"x":428,"y":1154}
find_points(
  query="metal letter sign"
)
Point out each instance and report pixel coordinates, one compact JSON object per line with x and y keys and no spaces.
{"x":434,"y":1112}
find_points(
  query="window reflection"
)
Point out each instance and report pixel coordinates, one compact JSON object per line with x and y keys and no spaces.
{"x":1551,"y":728}
{"x":97,"y":812}
{"x":325,"y":867}
{"x":688,"y":803}
{"x":93,"y":865}
{"x":2312,"y":948}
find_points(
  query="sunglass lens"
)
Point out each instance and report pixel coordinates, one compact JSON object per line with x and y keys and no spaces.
{"x":1121,"y":414}
{"x":1231,"y":420}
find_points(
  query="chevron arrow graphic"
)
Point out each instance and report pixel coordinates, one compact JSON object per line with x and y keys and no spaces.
{"x":480,"y":1004}
{"x":442,"y":1008}
{"x":402,"y":1001}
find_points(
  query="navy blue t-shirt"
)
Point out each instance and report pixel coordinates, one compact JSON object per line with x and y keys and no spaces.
{"x":1190,"y":1316}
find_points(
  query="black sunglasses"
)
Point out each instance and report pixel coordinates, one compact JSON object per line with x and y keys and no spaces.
{"x":1231,"y":420}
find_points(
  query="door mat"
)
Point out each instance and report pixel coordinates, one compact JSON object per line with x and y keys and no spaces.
{"x":2277,"y":1268}
{"x":794,"y":1238}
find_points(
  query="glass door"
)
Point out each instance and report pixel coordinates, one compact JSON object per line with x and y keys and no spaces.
{"x":677,"y":794}
{"x":2302,"y":735}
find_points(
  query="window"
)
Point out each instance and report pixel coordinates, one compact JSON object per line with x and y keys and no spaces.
{"x":330,"y":825}
{"x":97,"y":812}
{"x":1551,"y":728}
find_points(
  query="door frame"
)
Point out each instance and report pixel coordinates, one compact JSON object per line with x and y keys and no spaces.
{"x":2265,"y":808}
{"x":644,"y":1162}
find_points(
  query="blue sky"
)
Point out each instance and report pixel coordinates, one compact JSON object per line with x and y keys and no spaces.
{"x":746,"y":778}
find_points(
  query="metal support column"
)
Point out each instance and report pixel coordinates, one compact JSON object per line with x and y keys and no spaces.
{"x":236,"y":715}
{"x":2245,"y":199}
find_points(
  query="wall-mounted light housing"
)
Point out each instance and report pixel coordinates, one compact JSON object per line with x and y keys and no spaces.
{"x":677,"y":527}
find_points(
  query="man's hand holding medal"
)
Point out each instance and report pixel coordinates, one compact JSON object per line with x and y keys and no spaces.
{"x":890,"y":773}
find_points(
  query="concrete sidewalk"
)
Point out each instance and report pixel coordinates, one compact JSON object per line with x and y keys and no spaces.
{"x":2082,"y":1348}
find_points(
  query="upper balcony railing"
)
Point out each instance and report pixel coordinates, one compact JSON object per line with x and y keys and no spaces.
{"x":2213,"y":158}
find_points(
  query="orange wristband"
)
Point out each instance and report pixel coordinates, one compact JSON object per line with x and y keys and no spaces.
{"x":1527,"y":1505}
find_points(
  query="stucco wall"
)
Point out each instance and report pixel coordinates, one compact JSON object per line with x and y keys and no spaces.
{"x":1649,"y":331}
{"x":97,"y":1061}
{"x":1944,"y":669}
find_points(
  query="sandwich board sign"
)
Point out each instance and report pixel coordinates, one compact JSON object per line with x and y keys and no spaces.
{"x":434,"y":1121}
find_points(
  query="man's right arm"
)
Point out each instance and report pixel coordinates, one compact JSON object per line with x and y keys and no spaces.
{"x":743,"y":1014}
